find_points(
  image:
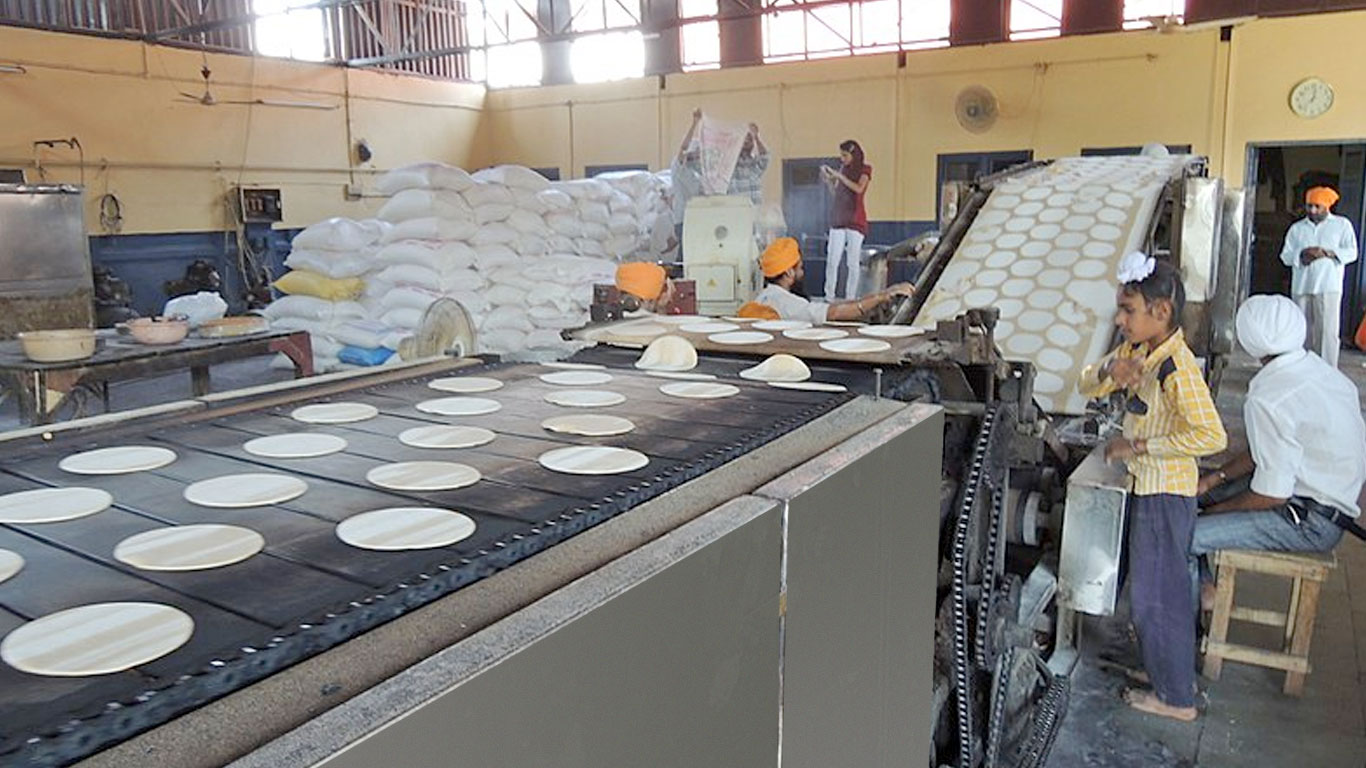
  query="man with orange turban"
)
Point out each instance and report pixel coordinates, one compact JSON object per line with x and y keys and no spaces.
{"x":647,"y":283}
{"x":781,"y":264}
{"x":1316,"y":249}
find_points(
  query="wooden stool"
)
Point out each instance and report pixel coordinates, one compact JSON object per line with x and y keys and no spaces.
{"x":1308,"y":570}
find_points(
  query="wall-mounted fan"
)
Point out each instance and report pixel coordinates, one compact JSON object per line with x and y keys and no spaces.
{"x":209,"y":100}
{"x":976,"y":108}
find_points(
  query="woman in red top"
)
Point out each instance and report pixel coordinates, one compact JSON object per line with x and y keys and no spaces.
{"x":848,"y":220}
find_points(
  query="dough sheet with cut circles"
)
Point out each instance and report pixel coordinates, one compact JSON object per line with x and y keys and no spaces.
{"x":1044,"y":250}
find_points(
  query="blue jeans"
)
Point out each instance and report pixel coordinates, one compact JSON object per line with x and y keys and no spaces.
{"x":1159,"y":590}
{"x":1269,"y":530}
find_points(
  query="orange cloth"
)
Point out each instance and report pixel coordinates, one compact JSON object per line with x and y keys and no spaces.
{"x":640,"y":279}
{"x":1324,"y":196}
{"x":756,"y":310}
{"x":780,"y":256}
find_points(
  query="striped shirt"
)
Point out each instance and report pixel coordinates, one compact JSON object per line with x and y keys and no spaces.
{"x":1171,"y":409}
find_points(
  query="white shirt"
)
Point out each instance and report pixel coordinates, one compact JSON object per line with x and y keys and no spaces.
{"x":1305,"y":431}
{"x":790,"y":306}
{"x":1334,"y":234}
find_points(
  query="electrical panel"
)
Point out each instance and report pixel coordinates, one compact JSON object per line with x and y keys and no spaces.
{"x":260,"y":205}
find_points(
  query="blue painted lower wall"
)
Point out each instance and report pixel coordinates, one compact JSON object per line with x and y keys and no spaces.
{"x":881,"y":234}
{"x":145,"y":262}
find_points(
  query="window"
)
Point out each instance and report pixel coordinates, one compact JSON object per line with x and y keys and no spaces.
{"x":551,"y":172}
{"x":609,"y":56}
{"x":795,"y":30}
{"x":1033,"y":19}
{"x":589,"y":171}
{"x":594,"y":15}
{"x":512,"y":65}
{"x":700,"y":41}
{"x":1139,"y":13}
{"x":284,"y":29}
{"x":1175,"y":149}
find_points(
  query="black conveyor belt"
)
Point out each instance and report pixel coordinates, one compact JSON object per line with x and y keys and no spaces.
{"x":308,"y":591}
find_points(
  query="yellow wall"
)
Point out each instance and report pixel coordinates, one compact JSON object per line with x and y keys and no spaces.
{"x":171,"y":162}
{"x":1057,"y":96}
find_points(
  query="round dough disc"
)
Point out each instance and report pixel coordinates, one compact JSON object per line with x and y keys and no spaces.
{"x":855,"y":346}
{"x":96,"y":639}
{"x":781,"y":325}
{"x":10,"y":564}
{"x":588,"y":424}
{"x":576,"y":378}
{"x":296,"y":445}
{"x":465,"y":385}
{"x":593,"y":460}
{"x":398,"y":528}
{"x":778,"y":368}
{"x":699,"y":390}
{"x":688,"y":375}
{"x":423,"y":476}
{"x":889,"y":331}
{"x":118,"y":460}
{"x":574,"y":366}
{"x":445,"y":436}
{"x":245,"y":490}
{"x":815,"y":334}
{"x":742,"y":337}
{"x":713,"y":327}
{"x":585,"y":398}
{"x":189,"y":547}
{"x":334,"y":413}
{"x":809,"y":386}
{"x":461,"y":406}
{"x":52,"y":505}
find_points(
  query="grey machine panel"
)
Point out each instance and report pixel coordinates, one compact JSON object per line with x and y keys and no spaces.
{"x":1093,"y":536}
{"x":665,"y":657}
{"x":862,"y":533}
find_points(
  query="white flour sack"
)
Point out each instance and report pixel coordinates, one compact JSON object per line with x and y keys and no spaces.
{"x":496,"y":233}
{"x":332,"y":263}
{"x":340,"y":234}
{"x":585,"y":189}
{"x":555,"y":199}
{"x":489,"y":194}
{"x":424,"y":203}
{"x":565,"y":223}
{"x":313,"y":308}
{"x":528,"y":223}
{"x":526,"y":200}
{"x":407,"y":297}
{"x":424,"y":176}
{"x":490,"y":257}
{"x":432,"y":254}
{"x":430,"y":228}
{"x":515,"y":176}
{"x":491,"y":212}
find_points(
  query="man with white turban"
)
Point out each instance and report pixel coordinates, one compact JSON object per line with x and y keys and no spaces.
{"x":1316,"y":249}
{"x":1296,"y":487}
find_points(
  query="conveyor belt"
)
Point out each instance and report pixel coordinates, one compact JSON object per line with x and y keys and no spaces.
{"x":308,"y":591}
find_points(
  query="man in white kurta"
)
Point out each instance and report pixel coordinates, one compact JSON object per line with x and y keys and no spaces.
{"x":1316,"y":249}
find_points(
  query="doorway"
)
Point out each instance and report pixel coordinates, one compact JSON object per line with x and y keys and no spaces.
{"x":970,"y":166}
{"x":806,"y":209}
{"x":1277,"y":177}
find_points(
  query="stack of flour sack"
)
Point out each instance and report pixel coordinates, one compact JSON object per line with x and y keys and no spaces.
{"x":520,"y":254}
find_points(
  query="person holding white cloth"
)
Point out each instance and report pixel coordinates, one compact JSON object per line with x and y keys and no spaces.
{"x":1316,"y":249}
{"x":1296,"y":487}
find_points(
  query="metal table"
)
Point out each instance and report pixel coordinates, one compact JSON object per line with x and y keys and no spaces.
{"x":119,"y":357}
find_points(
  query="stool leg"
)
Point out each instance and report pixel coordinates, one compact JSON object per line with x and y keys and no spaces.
{"x":1304,"y":632}
{"x":1224,"y":584}
{"x":1292,"y":613}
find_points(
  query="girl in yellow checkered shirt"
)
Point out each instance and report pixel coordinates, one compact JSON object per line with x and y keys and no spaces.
{"x":1169,"y":422}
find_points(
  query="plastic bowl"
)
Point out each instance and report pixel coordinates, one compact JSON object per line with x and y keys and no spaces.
{"x":57,"y":346}
{"x":157,"y":330}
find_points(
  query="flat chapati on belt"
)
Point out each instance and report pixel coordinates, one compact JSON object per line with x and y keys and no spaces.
{"x":576,"y":378}
{"x":295,"y":445}
{"x":459,"y":406}
{"x":593,"y":460}
{"x":585,"y":398}
{"x":423,"y":476}
{"x":52,"y":505}
{"x":588,"y":424}
{"x":855,"y":346}
{"x":117,"y":460}
{"x":10,"y":564}
{"x":251,"y":489}
{"x":96,"y":639}
{"x":334,"y":413}
{"x":446,"y":436}
{"x":189,"y":547}
{"x":699,"y":390}
{"x":398,"y":528}
{"x":465,"y":385}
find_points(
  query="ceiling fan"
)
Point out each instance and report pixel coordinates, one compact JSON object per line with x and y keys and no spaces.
{"x":209,"y":100}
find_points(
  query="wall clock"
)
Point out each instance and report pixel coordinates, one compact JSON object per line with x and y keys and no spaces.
{"x":1311,"y":97}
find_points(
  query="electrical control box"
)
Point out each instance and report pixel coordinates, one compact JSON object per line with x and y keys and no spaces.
{"x":260,"y":205}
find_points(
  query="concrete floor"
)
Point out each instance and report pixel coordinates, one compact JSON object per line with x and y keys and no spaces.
{"x":1247,"y":721}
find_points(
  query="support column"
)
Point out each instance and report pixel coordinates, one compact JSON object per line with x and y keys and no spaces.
{"x":554,"y":16}
{"x":977,"y":22}
{"x":1084,"y":17}
{"x":742,"y":32}
{"x":663,"y":47}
